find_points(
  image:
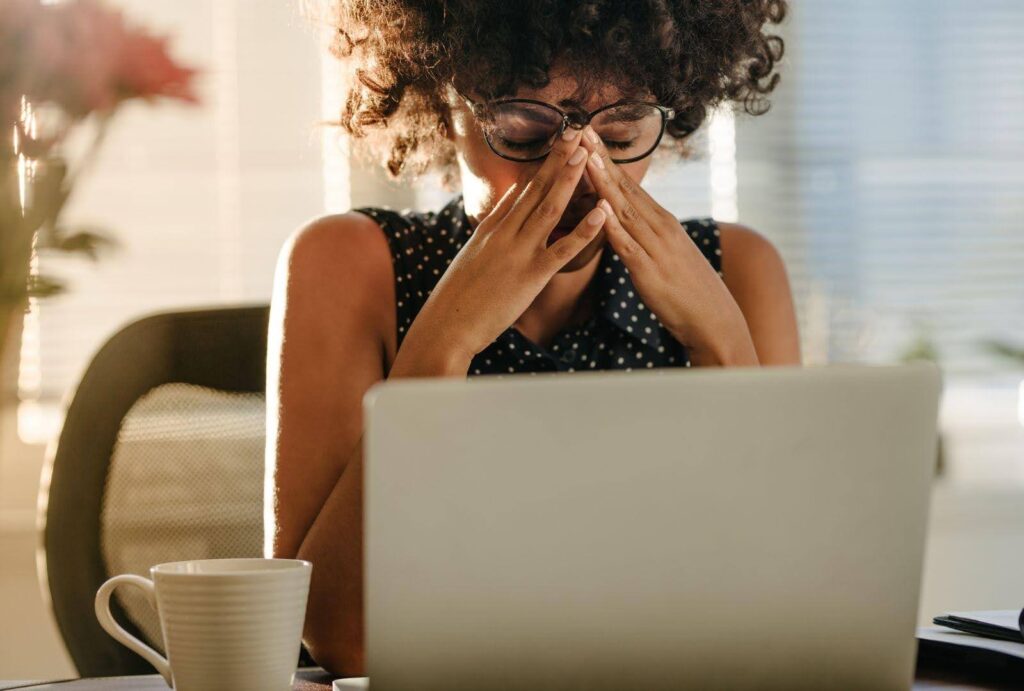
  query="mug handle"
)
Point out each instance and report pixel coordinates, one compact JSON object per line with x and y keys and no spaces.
{"x":115,"y":630}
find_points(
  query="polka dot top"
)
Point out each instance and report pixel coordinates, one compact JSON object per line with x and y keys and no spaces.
{"x":623,"y":334}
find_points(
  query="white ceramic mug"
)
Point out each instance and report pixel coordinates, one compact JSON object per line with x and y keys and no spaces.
{"x":226,"y":623}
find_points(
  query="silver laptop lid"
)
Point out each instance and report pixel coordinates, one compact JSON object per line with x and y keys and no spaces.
{"x":736,"y":528}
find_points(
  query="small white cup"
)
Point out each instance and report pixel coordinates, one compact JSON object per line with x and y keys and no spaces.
{"x":226,"y":623}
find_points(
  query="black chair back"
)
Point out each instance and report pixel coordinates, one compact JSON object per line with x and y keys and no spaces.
{"x":213,"y":359}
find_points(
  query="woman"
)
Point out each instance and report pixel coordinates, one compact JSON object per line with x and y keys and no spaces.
{"x":551,"y":258}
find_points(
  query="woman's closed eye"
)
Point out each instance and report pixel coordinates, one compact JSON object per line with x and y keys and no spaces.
{"x":520,"y":144}
{"x":613,"y":144}
{"x":620,"y":137}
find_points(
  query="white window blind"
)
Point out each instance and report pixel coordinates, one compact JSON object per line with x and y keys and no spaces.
{"x":890,"y":174}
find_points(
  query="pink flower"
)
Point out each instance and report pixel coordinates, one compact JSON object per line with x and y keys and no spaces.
{"x":83,"y":57}
{"x":145,"y":69}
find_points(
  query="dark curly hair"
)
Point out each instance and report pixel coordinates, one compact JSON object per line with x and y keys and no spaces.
{"x":691,"y":55}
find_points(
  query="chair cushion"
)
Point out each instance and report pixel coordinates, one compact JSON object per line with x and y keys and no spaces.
{"x":185,"y":482}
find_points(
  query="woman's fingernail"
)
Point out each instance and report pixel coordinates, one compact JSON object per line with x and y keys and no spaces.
{"x":605,"y":205}
{"x":570,"y":133}
{"x":595,"y":217}
{"x":596,"y":158}
{"x":591,"y":135}
{"x":577,"y":157}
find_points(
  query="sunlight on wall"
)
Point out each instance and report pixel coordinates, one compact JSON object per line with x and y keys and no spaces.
{"x":334,"y":145}
{"x":722,"y":153}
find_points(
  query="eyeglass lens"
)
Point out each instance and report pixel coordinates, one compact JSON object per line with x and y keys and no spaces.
{"x":526,"y":131}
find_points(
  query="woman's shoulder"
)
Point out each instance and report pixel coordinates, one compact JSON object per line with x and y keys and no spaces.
{"x":732,"y":245}
{"x":367,"y":245}
{"x":337,"y":244}
{"x":747,"y":247}
{"x":754,"y":272}
{"x":336,"y":263}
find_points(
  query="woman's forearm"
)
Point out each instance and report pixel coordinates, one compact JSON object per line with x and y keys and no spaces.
{"x":334,"y":631}
{"x":334,"y":544}
{"x":727,"y":343}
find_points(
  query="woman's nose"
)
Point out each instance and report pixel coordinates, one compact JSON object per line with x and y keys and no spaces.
{"x":584,"y":187}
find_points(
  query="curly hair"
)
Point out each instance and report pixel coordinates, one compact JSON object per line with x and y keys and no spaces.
{"x":691,"y":55}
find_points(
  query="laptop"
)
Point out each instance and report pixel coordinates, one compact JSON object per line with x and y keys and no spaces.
{"x":732,"y":528}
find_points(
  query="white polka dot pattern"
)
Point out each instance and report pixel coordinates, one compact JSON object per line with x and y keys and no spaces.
{"x":623,"y":334}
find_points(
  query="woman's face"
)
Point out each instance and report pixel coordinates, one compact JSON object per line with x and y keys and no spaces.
{"x":485,"y":176}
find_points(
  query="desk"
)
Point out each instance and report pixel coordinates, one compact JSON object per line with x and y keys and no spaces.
{"x":932,"y":674}
{"x":311,"y":679}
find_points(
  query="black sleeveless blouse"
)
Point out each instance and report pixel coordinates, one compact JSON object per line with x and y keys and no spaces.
{"x":623,"y":334}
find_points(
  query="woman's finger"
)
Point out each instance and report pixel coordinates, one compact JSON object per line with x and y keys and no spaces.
{"x":537,"y":188}
{"x":549,"y":210}
{"x":561,"y":251}
{"x":625,"y":245}
{"x":631,"y":190}
{"x":606,"y":178}
{"x":502,"y":208}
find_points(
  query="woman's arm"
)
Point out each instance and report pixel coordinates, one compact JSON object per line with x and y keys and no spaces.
{"x":327,"y":324}
{"x":755,"y":275}
{"x":334,"y":622}
{"x":331,"y":315}
{"x":325,"y":349}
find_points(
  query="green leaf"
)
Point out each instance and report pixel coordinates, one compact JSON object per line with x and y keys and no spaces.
{"x":1005,"y":349}
{"x":922,"y":348}
{"x":44,"y":286}
{"x":83,"y":240}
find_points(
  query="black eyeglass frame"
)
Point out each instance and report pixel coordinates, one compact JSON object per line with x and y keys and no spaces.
{"x":577,"y":119}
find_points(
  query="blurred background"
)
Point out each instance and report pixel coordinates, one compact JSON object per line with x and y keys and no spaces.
{"x":889,"y":173}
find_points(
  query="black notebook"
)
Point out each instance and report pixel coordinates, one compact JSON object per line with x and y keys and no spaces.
{"x":1005,"y":625}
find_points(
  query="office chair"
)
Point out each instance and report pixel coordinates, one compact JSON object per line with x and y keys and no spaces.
{"x":160,"y":458}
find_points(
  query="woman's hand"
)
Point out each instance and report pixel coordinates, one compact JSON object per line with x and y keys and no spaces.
{"x":671,"y":274}
{"x":507,"y":262}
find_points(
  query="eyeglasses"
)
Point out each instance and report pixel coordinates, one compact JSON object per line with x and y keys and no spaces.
{"x":524,"y":130}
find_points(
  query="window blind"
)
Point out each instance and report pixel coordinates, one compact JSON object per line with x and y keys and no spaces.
{"x":889,"y":173}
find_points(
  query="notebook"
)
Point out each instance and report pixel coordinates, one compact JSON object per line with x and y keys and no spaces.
{"x":1005,"y":624}
{"x":982,"y":640}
